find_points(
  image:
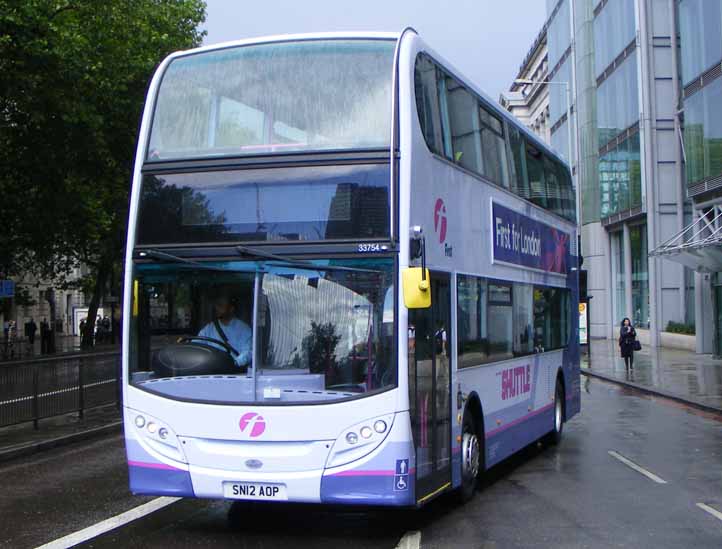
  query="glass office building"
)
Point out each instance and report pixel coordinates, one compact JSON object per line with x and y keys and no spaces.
{"x":699,"y":24}
{"x":647,"y":124}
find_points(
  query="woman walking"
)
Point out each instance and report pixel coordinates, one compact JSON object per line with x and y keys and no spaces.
{"x":627,"y":338}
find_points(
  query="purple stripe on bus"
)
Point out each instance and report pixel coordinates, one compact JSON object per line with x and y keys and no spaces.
{"x":153,"y":465}
{"x":358,"y":473}
{"x":518,"y":421}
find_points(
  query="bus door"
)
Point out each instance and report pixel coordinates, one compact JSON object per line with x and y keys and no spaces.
{"x":429,"y":383}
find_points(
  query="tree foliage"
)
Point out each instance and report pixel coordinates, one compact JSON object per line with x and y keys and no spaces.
{"x":73,"y":79}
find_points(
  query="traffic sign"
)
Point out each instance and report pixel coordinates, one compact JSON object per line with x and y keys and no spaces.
{"x":7,"y":288}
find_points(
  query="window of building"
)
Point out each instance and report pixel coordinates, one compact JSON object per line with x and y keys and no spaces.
{"x":700,"y":30}
{"x":618,"y":101}
{"x":614,"y":29}
{"x":620,"y":177}
{"x":618,"y":278}
{"x":703,"y":133}
{"x":640,"y":276}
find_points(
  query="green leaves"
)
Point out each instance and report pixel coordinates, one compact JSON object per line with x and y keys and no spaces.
{"x":73,"y":78}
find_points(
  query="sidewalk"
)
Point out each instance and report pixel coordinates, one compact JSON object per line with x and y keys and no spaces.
{"x":681,"y":375}
{"x":21,"y":440}
{"x":64,"y":345}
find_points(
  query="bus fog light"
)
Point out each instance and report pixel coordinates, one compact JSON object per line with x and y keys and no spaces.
{"x":366,"y":432}
{"x":152,"y":428}
{"x":139,"y":422}
{"x":352,"y":438}
{"x":163,"y":433}
{"x":380,"y":426}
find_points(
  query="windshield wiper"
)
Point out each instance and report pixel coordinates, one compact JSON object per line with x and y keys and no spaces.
{"x":301,"y":264}
{"x":152,"y":253}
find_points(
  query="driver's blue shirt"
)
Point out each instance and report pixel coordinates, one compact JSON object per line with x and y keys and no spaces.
{"x":239,"y":336}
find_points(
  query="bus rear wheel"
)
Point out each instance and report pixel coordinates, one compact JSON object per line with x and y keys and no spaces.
{"x":554,"y":437}
{"x":471,"y":457}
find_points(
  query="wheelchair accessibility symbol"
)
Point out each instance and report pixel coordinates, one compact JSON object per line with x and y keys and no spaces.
{"x":401,"y":478}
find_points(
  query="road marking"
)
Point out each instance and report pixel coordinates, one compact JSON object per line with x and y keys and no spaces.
{"x":410,"y":540}
{"x":629,"y":463}
{"x":107,"y":525}
{"x":711,"y":510}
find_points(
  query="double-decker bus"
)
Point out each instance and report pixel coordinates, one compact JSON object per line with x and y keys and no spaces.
{"x":350,"y":277}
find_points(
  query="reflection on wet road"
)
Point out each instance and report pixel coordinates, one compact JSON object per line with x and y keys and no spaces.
{"x":592,"y":491}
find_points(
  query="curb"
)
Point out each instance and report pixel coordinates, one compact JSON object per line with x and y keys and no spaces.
{"x":35,"y":447}
{"x":654,"y":391}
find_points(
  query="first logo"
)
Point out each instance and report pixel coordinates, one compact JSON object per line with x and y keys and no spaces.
{"x":253,"y":423}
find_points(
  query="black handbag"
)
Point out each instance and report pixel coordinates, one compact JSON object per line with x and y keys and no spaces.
{"x":637,"y":345}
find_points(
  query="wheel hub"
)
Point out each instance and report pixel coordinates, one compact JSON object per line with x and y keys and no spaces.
{"x":470,"y":455}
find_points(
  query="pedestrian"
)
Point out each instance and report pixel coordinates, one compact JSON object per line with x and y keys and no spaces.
{"x":30,"y":331}
{"x":627,"y":343}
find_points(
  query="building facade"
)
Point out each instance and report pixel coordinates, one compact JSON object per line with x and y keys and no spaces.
{"x":647,"y":126}
{"x":529,"y":101}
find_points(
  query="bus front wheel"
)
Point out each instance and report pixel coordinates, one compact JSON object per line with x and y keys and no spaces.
{"x":471,"y":457}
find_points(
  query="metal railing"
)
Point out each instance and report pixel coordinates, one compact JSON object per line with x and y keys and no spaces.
{"x":47,"y":387}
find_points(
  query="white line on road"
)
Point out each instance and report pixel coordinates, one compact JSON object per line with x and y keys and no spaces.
{"x":107,"y":525}
{"x":629,"y":463}
{"x":711,"y":510}
{"x":410,"y":540}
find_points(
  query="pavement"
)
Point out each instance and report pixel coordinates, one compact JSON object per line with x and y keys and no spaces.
{"x":684,"y":376}
{"x":64,"y":344}
{"x":632,"y":471}
{"x":23,"y":439}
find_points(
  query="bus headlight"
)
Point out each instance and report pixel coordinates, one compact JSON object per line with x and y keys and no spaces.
{"x":158,"y":436}
{"x":359,"y":440}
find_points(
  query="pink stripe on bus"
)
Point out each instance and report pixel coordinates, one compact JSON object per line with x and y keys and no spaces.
{"x":518,"y":421}
{"x":153,"y":465}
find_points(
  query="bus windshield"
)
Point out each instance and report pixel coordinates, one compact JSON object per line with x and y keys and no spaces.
{"x":309,"y":95}
{"x":318,"y":335}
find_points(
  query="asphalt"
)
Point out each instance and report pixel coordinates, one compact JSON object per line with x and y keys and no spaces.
{"x":574,"y":495}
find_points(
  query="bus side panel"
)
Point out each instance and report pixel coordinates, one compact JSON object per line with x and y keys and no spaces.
{"x":572,"y":354}
{"x":517,"y":399}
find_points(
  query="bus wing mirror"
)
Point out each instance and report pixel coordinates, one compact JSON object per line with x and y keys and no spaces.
{"x":417,"y":290}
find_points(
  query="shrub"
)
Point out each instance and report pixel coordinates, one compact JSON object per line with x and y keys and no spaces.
{"x":680,"y":328}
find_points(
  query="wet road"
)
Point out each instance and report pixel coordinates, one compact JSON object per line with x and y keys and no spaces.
{"x":659,"y":487}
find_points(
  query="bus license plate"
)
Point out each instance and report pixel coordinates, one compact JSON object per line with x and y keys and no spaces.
{"x":255,"y":490}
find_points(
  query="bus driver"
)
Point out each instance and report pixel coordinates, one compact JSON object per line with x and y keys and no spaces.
{"x":230,"y":329}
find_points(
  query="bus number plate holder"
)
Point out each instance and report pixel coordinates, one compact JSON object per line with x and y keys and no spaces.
{"x":264,"y":491}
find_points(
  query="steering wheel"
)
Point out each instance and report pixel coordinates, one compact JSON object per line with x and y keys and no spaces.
{"x":230,"y":350}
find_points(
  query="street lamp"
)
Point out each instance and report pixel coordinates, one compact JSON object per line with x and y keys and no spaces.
{"x":567,"y":87}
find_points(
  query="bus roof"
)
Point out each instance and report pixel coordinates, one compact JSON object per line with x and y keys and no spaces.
{"x":291,"y":37}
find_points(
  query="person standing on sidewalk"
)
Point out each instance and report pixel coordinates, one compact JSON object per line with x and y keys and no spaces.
{"x":627,"y":338}
{"x":30,"y":331}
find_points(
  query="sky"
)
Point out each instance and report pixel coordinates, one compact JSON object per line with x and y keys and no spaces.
{"x":486,"y":40}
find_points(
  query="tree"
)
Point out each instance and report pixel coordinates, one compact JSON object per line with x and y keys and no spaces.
{"x":73,"y":79}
